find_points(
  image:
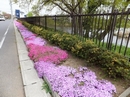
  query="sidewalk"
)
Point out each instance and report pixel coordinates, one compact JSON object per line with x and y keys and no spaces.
{"x":31,"y":82}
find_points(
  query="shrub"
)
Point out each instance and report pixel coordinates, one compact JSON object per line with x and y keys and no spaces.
{"x":67,"y":41}
{"x":29,"y":26}
{"x":82,"y":48}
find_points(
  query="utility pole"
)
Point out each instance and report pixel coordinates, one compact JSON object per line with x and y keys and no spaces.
{"x":11,"y":10}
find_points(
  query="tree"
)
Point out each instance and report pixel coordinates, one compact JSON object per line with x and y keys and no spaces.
{"x":92,"y":5}
{"x":30,"y":14}
{"x":37,"y":8}
{"x":24,"y":4}
{"x":71,"y":7}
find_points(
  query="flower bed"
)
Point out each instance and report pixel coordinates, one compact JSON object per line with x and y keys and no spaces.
{"x":47,"y":54}
{"x":66,"y":81}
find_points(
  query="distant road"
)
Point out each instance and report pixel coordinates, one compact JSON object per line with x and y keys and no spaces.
{"x":10,"y":77}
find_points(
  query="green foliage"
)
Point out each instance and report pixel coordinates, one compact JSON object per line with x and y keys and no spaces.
{"x":29,"y":26}
{"x":114,"y":64}
{"x":36,"y":29}
{"x":94,"y":4}
{"x":54,"y":39}
{"x":46,"y":87}
{"x":67,"y":41}
{"x":30,"y":14}
{"x":37,"y":8}
{"x":81,"y":48}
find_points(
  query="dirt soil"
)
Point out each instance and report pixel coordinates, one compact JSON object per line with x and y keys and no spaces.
{"x":120,"y":84}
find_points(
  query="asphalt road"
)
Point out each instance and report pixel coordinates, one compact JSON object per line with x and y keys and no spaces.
{"x":11,"y":84}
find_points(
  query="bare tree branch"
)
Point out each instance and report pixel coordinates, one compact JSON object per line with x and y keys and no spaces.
{"x":61,"y":7}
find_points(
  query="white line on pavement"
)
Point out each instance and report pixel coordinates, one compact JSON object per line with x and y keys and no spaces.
{"x":2,"y":41}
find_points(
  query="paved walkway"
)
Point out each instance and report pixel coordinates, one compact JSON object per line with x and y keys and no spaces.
{"x":11,"y":84}
{"x":32,"y":83}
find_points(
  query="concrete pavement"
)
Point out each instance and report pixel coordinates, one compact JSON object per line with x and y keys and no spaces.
{"x":11,"y":84}
{"x":32,"y":83}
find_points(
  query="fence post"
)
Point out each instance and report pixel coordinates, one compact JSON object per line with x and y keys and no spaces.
{"x":121,"y":17}
{"x":45,"y":22}
{"x":124,"y":29}
{"x":127,"y":44}
{"x":35,"y":21}
{"x":72,"y":25}
{"x":39,"y":21}
{"x":113,"y":24}
{"x":55,"y":22}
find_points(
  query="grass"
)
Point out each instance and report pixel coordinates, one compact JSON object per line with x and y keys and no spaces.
{"x":116,"y":48}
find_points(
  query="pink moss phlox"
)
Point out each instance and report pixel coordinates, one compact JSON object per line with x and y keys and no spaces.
{"x":37,"y":41}
{"x":69,"y":82}
{"x":47,"y":54}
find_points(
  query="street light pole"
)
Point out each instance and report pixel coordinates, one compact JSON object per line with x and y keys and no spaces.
{"x":11,"y":10}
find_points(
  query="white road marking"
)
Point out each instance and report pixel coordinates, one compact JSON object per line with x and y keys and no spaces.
{"x":2,"y":41}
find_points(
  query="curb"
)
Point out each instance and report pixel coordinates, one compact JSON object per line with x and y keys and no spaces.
{"x":54,"y":94}
{"x":125,"y":93}
{"x":31,"y":82}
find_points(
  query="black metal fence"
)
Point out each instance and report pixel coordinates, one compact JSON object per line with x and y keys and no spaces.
{"x":108,"y":30}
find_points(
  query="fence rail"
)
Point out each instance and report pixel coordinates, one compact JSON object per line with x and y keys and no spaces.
{"x":108,"y":30}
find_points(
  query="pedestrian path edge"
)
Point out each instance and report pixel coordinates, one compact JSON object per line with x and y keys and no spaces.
{"x":31,"y":82}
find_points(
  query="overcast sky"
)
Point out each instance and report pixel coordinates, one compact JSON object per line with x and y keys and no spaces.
{"x":5,"y":6}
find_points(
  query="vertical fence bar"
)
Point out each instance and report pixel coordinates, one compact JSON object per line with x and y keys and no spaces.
{"x":124,"y":29}
{"x":39,"y":20}
{"x":45,"y":22}
{"x":88,"y":29}
{"x":77,"y":25}
{"x":110,"y":33}
{"x":72,"y":25}
{"x":84,"y":29}
{"x":100,"y":37}
{"x":36,"y":21}
{"x":105,"y":28}
{"x":118,"y":29}
{"x":92,"y":27}
{"x":114,"y":25}
{"x":109,"y":29}
{"x":98,"y":29}
{"x":113,"y":28}
{"x":81,"y":27}
{"x":35,"y":18}
{"x":95,"y":27}
{"x":55,"y":22}
{"x":127,"y":44}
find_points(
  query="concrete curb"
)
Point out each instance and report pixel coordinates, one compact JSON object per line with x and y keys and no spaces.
{"x":54,"y":94}
{"x":31,"y":82}
{"x":125,"y":93}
